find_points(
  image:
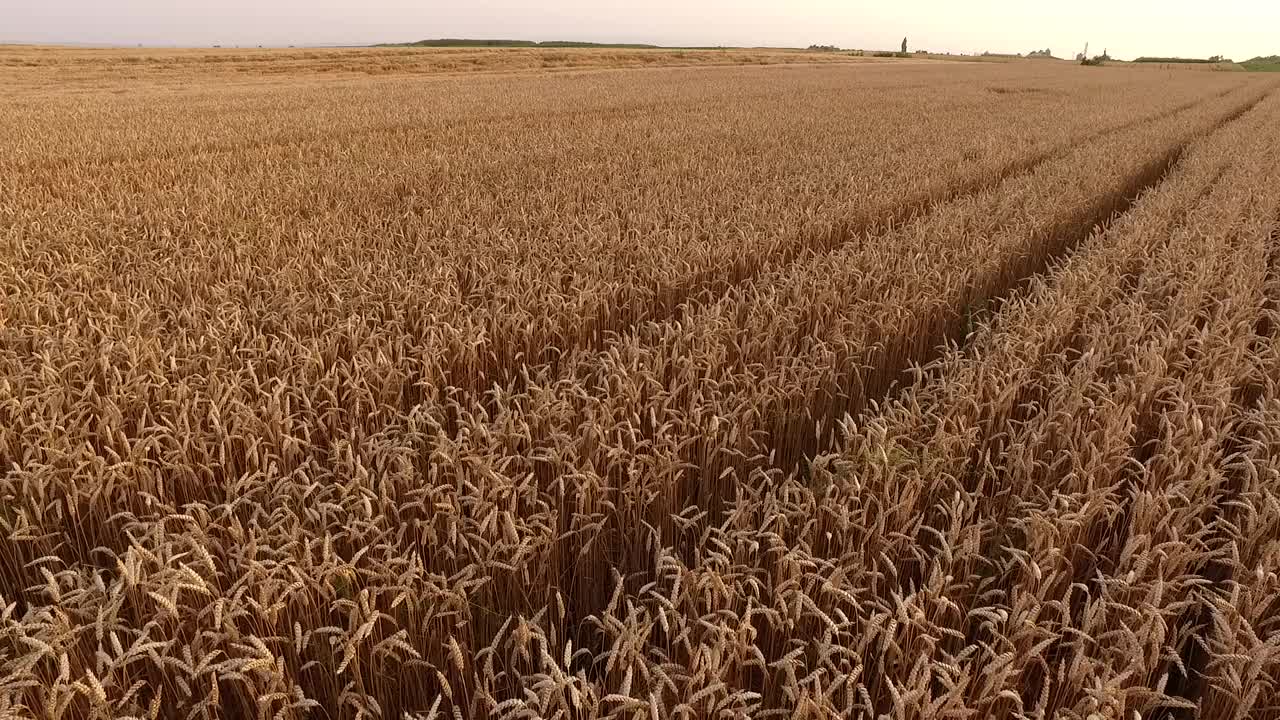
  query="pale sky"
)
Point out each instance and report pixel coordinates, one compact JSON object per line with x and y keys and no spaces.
{"x":1190,"y":28}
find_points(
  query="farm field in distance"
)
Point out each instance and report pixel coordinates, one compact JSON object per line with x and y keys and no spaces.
{"x":790,"y":385}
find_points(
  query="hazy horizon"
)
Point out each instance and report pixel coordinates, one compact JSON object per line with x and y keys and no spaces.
{"x":1240,"y":29}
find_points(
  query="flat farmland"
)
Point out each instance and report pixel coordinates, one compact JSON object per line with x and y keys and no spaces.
{"x":761,"y":384}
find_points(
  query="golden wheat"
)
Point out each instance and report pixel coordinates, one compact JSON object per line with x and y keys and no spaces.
{"x":900,"y":390}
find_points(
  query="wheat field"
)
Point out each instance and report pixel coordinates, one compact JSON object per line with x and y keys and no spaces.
{"x":391,"y":383}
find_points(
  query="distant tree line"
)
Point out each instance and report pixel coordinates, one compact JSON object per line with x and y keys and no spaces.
{"x":1186,"y":61}
{"x":1271,"y":63}
{"x":464,"y":42}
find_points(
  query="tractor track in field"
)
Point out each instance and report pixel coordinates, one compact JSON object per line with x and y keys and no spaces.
{"x":950,"y":325}
{"x":670,"y":304}
{"x":1062,"y":240}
